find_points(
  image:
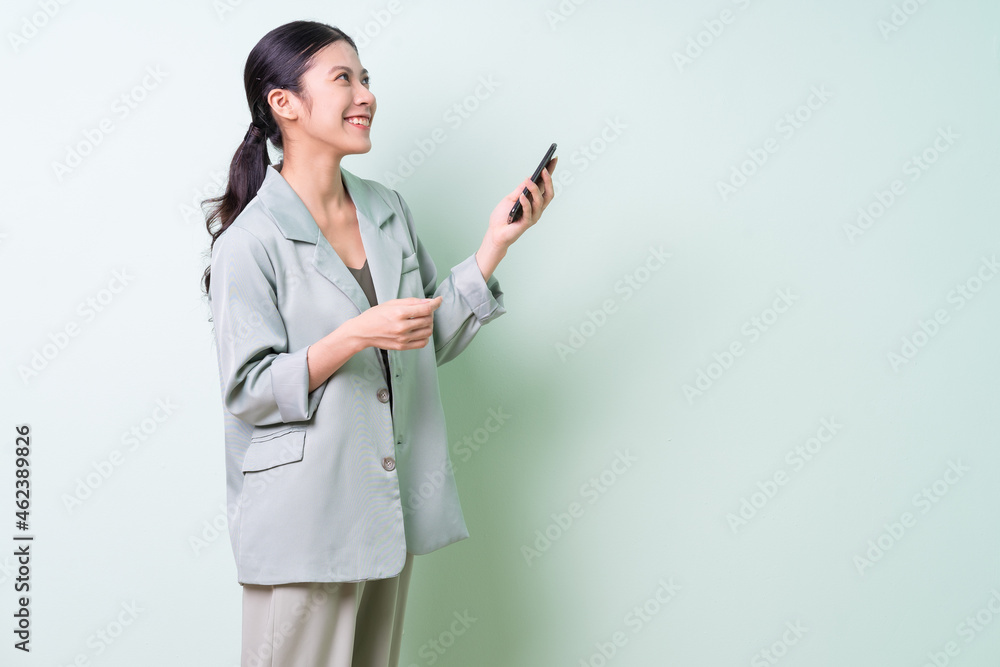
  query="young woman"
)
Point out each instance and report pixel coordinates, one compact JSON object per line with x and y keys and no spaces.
{"x":329,"y":326}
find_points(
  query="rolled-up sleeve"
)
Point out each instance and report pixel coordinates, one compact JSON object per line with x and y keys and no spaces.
{"x":262,"y":381}
{"x":468,"y":300}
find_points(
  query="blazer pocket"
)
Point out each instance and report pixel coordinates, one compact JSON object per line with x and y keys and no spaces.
{"x":410,"y":262}
{"x":274,"y":449}
{"x":410,"y":281}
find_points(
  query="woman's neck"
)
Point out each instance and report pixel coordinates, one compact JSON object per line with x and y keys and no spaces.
{"x":320,"y":186}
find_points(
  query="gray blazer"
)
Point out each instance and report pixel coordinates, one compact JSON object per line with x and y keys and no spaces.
{"x":334,"y":485}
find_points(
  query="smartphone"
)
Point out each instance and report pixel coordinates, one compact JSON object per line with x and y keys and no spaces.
{"x":517,"y":212}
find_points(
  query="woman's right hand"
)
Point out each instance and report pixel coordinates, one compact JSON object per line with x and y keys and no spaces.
{"x":397,"y":324}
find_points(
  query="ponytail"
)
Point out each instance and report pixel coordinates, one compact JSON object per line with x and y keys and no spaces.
{"x":246,"y":174}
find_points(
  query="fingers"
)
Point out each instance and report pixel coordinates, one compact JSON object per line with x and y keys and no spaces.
{"x":428,"y":307}
{"x":420,"y":308}
{"x":536,"y":197}
{"x":417,"y":337}
{"x":541,"y":195}
{"x":415,"y":329}
{"x":421,"y":301}
{"x":518,"y":190}
{"x":406,"y":323}
{"x":525,"y":203}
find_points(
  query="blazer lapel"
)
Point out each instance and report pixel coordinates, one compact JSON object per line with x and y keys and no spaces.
{"x":385,"y":255}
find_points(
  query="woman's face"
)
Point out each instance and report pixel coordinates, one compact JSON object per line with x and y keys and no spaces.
{"x":337,"y":87}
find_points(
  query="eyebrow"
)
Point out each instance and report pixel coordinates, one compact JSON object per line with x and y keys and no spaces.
{"x":345,"y":67}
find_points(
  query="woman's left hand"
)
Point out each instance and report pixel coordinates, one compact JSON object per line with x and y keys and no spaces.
{"x":500,"y":233}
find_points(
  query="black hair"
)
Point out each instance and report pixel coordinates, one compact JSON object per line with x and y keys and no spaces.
{"x":278,"y":60}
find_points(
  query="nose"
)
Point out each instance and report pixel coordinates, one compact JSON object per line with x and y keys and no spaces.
{"x":364,"y":96}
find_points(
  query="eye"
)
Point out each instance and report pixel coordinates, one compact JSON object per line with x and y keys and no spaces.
{"x":366,"y":80}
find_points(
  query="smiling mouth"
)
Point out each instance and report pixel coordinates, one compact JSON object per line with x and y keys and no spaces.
{"x":360,"y":121}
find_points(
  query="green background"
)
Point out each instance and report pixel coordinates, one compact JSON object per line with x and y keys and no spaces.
{"x":643,"y":144}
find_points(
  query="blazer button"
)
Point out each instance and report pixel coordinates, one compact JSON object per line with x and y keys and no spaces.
{"x":388,"y":463}
{"x":383,"y":395}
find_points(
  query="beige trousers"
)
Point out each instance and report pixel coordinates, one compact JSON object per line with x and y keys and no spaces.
{"x":346,"y":624}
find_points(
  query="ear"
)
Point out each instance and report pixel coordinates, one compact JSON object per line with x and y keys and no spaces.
{"x":283,"y":104}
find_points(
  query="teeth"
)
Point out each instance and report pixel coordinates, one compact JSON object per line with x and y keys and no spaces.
{"x":359,"y":121}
